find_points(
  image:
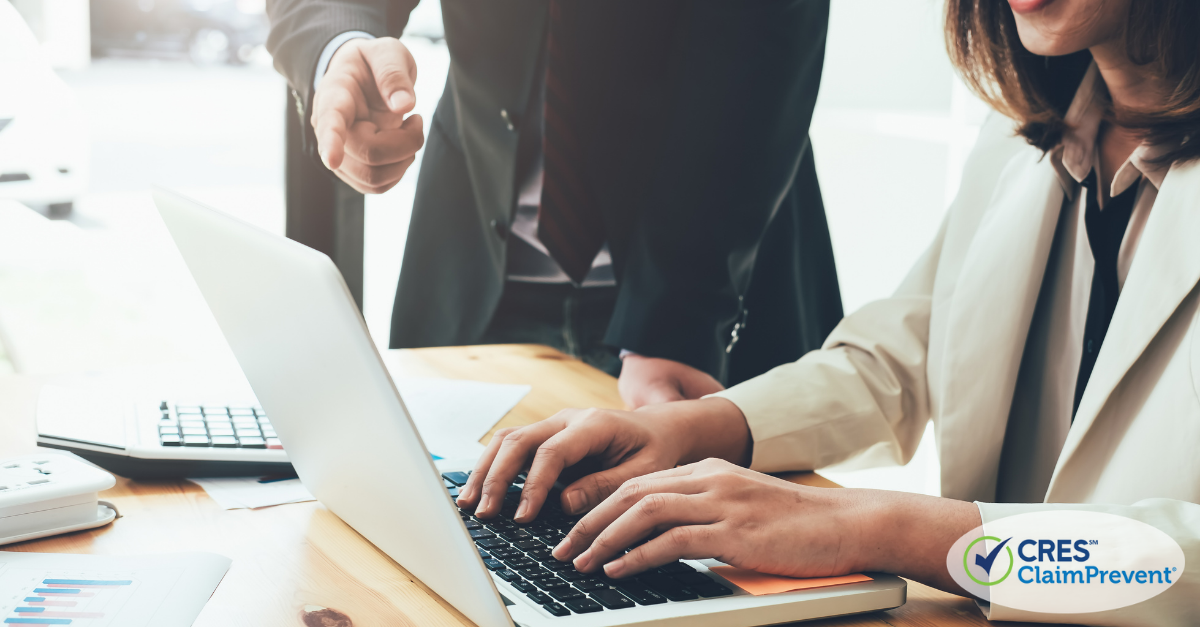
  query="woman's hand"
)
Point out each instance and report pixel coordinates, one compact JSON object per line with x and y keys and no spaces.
{"x":624,"y":445}
{"x":713,"y":509}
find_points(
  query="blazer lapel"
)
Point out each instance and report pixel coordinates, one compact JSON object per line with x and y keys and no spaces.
{"x":1165,"y":269}
{"x":991,"y":311}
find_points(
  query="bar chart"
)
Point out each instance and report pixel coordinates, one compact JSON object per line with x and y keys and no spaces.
{"x":49,"y":599}
{"x":52,"y":589}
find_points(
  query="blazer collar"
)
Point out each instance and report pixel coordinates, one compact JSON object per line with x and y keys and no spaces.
{"x":995,"y":296}
{"x":1165,"y":270}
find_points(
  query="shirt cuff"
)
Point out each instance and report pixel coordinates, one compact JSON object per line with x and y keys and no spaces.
{"x":332,"y":47}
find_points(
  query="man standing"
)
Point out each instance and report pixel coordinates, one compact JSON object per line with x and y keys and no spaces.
{"x":600,"y":176}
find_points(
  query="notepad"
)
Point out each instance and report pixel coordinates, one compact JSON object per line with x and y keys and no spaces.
{"x":758,"y":584}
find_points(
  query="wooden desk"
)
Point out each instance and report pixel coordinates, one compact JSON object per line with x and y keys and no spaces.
{"x":292,"y":556}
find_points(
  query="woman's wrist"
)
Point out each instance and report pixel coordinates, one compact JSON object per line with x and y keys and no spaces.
{"x":711,"y":427}
{"x":911,"y":534}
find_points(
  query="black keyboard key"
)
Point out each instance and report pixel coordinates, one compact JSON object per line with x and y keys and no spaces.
{"x":534,"y":572}
{"x":611,"y":599}
{"x":566,"y":594}
{"x":528,"y":544}
{"x":573,"y":575}
{"x":541,"y":598}
{"x":518,"y":561}
{"x":523,"y":586}
{"x":676,"y":568}
{"x":551,"y":583}
{"x":677,"y":594}
{"x":457,"y":478}
{"x":493,"y":564}
{"x":508,"y":575}
{"x":513,"y":489}
{"x":556,"y":609}
{"x":692,"y":579}
{"x":484,"y":554}
{"x":514,"y":535}
{"x":472,"y":524}
{"x":587,"y":585}
{"x":505,"y":551}
{"x":712,"y":589}
{"x":557,"y":566}
{"x":491,"y":543}
{"x":641,"y":594}
{"x":583,"y":606}
{"x":481,"y":534}
{"x":453,"y":493}
{"x":667,"y":587}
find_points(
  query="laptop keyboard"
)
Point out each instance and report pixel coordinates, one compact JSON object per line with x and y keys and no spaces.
{"x":216,"y":426}
{"x":520,"y":555}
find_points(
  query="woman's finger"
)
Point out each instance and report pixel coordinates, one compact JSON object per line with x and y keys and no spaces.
{"x":626,"y":498}
{"x":469,"y":495}
{"x":515,"y":450}
{"x":652,"y":514}
{"x":686,"y":542}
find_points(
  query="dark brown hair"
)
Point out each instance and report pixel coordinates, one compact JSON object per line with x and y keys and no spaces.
{"x":981,"y":37}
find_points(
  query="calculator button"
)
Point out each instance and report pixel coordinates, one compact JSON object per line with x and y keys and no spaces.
{"x":224,"y":441}
{"x":169,"y":430}
{"x":187,"y":409}
{"x":195,"y":440}
{"x":274,"y":443}
{"x":241,"y":411}
{"x":215,"y":431}
{"x":194,"y":431}
{"x":253,"y":442}
{"x":170,"y":440}
{"x":212,"y":409}
{"x":247,"y":433}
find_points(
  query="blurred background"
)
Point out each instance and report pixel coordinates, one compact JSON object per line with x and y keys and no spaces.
{"x":127,"y":94}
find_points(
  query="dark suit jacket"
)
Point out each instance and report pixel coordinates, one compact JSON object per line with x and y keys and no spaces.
{"x":703,"y":170}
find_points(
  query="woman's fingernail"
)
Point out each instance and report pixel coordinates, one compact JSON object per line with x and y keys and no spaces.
{"x":615,"y":568}
{"x":483,"y":504}
{"x":522,"y":509}
{"x":575,"y":502}
{"x":582,"y":561}
{"x":562,"y":550}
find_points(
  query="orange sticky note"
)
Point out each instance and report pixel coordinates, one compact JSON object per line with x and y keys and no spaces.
{"x":758,"y":584}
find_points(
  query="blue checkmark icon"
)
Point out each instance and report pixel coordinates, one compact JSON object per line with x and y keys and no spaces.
{"x":986,"y":562}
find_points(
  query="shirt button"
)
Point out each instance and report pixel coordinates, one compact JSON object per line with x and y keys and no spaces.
{"x":1089,"y":346}
{"x":501,"y":229}
{"x":507,"y":119}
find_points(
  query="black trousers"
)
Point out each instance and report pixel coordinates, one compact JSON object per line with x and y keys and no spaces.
{"x":570,"y":319}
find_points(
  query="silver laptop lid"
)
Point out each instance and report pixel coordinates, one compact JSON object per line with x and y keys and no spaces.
{"x":304,"y":347}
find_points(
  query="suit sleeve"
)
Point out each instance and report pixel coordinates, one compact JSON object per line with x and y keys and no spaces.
{"x":1177,"y":606}
{"x":300,"y":29}
{"x":736,"y":136}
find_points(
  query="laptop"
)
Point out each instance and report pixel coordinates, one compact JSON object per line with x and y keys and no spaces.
{"x":305,"y":349}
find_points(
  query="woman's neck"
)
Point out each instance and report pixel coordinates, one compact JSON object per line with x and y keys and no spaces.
{"x":1131,"y":87}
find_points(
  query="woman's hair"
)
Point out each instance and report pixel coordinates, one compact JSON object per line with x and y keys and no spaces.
{"x":981,"y":36}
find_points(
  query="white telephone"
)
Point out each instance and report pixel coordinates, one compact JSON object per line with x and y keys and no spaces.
{"x":48,"y":494}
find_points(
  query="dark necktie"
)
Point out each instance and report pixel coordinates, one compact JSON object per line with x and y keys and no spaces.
{"x":1106,"y":230}
{"x":569,"y":224}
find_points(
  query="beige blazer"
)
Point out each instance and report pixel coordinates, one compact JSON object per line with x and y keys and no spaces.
{"x":948,"y":344}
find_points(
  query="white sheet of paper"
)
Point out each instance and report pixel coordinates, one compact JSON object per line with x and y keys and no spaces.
{"x":248,"y":493}
{"x":149,"y":591}
{"x":452,"y":414}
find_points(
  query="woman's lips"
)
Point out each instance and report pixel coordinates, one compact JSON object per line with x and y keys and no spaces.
{"x":1027,"y":6}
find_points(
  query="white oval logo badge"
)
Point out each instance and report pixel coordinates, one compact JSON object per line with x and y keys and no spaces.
{"x":1065,"y":561}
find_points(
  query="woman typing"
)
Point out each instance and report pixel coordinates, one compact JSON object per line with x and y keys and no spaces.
{"x":1050,"y":332}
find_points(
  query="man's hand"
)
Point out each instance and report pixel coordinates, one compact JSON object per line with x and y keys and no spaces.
{"x":649,"y":380}
{"x":622,"y":444}
{"x":358,"y":114}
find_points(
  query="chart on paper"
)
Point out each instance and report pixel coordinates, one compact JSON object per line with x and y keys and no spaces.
{"x":36,"y":598}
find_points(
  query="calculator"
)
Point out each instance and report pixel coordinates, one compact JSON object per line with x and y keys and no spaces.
{"x":160,"y":438}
